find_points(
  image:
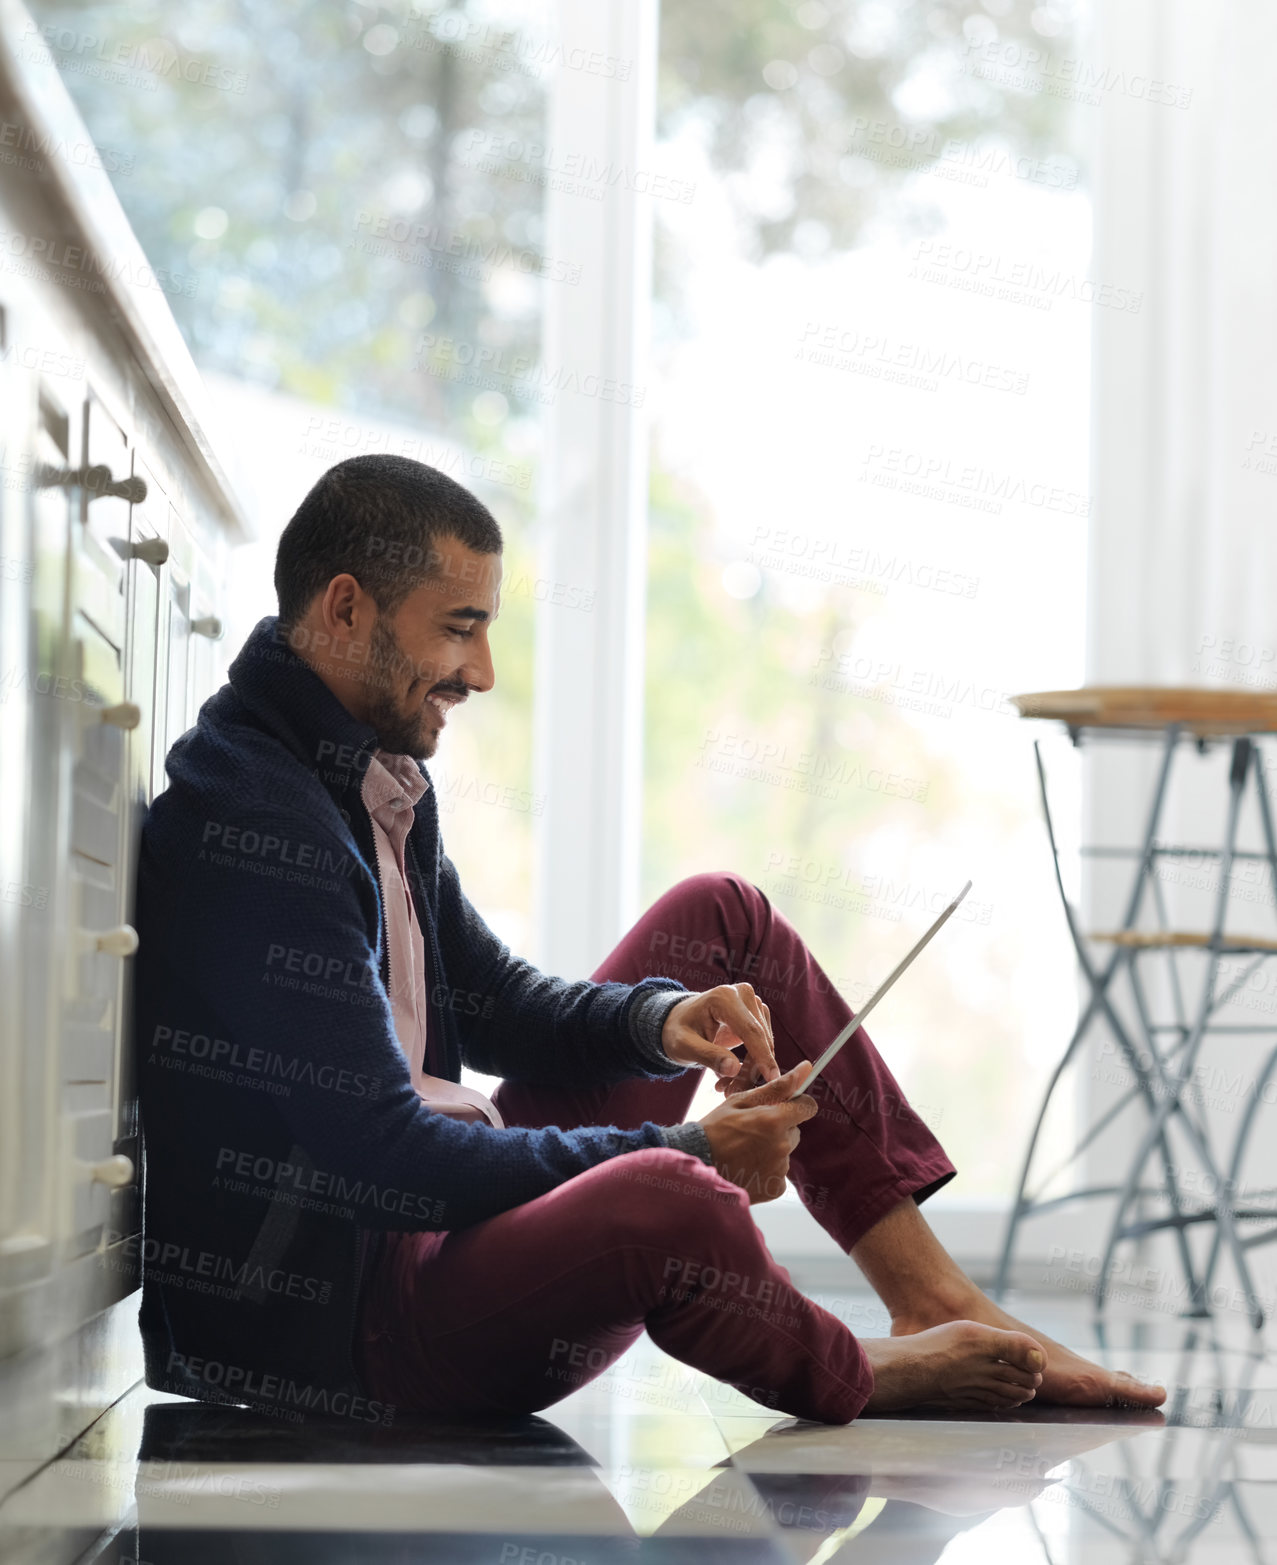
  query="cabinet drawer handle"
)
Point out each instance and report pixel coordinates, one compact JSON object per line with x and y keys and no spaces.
{"x":121,"y":941}
{"x":114,"y":1172}
{"x":96,"y":480}
{"x":208,"y":625}
{"x":124,"y":714}
{"x":151,"y":551}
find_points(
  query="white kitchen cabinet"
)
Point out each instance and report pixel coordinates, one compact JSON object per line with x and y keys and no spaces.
{"x":115,"y":523}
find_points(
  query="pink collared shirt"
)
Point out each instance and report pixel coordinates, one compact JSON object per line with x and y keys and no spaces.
{"x":392,"y":786}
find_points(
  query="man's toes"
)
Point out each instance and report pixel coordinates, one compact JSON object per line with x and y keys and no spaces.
{"x":1005,"y":1393}
{"x":1014,"y":1347}
{"x":1015,"y":1395}
{"x":1137,"y":1393}
{"x":1082,"y":1389}
{"x":1031,"y":1379}
{"x":982,"y":1398}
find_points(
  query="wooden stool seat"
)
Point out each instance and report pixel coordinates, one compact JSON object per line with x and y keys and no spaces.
{"x":1164,"y":939}
{"x":1201,"y":711}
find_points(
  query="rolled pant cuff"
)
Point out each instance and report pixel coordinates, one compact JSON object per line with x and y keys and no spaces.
{"x":920,"y":1182}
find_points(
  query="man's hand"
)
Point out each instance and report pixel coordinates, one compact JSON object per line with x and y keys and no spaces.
{"x":753,"y":1133}
{"x":704,"y":1029}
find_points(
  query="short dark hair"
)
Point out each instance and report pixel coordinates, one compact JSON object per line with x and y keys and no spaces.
{"x":380,"y":518}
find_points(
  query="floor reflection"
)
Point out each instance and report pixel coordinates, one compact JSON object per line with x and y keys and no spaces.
{"x":688,"y":1471}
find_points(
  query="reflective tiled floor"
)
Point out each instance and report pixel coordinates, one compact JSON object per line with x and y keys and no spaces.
{"x":652,"y":1462}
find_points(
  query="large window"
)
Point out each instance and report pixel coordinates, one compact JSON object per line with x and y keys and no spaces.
{"x":340,"y":206}
{"x":868,"y":400}
{"x":869,"y":509}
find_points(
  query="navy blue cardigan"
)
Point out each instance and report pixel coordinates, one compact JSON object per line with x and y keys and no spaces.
{"x":281,"y":1130}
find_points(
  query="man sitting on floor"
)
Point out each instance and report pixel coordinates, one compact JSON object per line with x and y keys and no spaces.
{"x":333,"y":1223}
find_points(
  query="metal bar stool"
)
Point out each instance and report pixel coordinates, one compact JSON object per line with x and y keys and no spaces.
{"x":1161,"y":1076}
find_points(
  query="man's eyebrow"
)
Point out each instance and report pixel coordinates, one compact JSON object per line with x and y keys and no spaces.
{"x":467,"y":612}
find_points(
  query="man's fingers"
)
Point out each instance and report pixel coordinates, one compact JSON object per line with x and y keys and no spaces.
{"x":737,"y":1007}
{"x":722,"y":1062}
{"x":781,"y":1090}
{"x":796,"y":1112}
{"x":762,"y":1011}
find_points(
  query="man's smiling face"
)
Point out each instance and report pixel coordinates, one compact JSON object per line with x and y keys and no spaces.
{"x":430,"y":653}
{"x":402,"y":672}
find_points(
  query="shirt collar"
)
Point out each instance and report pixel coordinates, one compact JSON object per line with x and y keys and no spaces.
{"x":392,"y":781}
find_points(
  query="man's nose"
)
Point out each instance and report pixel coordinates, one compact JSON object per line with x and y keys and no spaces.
{"x":479,"y":672}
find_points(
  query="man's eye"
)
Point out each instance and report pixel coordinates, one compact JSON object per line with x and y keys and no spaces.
{"x":466,"y":635}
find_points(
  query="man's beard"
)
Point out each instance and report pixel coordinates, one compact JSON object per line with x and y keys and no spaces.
{"x":399,"y":732}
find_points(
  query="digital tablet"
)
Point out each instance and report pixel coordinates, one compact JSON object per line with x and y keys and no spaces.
{"x":881,"y":990}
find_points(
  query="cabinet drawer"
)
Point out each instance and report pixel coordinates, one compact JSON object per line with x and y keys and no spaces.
{"x":88,"y":1042}
{"x":98,"y":771}
{"x":98,"y":596}
{"x":95,"y":908}
{"x":87,"y":1141}
{"x":98,"y":665}
{"x":95,"y":815}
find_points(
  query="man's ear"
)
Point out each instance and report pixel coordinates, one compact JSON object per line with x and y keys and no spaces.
{"x":342,"y":601}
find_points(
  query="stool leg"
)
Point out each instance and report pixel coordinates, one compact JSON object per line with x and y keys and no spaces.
{"x":1097,"y":980}
{"x":1241,"y":761}
{"x":1229,"y":1190}
{"x":1170,"y":1177}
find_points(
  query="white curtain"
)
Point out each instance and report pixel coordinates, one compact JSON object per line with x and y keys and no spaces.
{"x":1183,"y":550}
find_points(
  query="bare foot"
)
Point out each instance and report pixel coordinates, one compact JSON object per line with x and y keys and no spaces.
{"x":959,"y":1365}
{"x":1068,"y":1379}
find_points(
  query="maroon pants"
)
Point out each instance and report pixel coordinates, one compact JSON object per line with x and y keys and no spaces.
{"x":512,"y":1314}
